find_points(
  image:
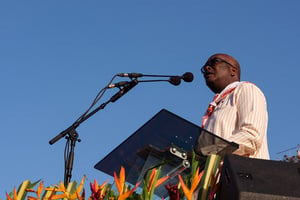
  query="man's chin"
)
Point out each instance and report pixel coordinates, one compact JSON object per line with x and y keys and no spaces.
{"x":209,"y":82}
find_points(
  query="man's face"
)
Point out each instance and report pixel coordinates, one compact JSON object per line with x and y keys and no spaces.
{"x":217,"y":72}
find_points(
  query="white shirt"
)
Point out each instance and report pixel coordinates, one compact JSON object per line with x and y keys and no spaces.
{"x":241,"y":116}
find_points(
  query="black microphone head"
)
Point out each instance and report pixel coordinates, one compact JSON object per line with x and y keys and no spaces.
{"x":175,"y":80}
{"x":188,"y":77}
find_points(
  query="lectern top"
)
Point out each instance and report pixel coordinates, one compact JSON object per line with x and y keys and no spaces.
{"x":162,"y":130}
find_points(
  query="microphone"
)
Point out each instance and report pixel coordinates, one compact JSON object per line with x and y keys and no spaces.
{"x":176,"y":80}
{"x":119,"y":84}
{"x":130,"y":75}
{"x":187,"y":77}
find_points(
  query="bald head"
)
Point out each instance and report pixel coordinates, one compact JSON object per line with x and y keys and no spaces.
{"x":230,"y":60}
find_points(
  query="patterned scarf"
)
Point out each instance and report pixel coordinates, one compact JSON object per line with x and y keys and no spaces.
{"x":217,"y":99}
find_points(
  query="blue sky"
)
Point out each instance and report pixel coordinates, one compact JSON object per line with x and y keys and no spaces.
{"x":55,"y":56}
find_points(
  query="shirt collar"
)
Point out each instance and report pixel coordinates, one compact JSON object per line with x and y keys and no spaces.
{"x":230,"y":86}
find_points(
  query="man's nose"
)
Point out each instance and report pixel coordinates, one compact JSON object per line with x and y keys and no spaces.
{"x":206,"y":67}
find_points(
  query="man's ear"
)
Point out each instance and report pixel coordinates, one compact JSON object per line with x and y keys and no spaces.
{"x":233,"y":71}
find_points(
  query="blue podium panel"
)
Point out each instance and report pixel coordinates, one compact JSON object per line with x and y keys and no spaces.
{"x":154,"y":138}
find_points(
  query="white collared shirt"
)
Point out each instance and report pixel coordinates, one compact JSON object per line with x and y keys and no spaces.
{"x":242,"y":117}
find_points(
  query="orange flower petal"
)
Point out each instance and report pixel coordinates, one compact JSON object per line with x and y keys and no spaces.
{"x":40,"y":189}
{"x":185,"y":189}
{"x":103,"y":184}
{"x":117,"y":183}
{"x":161,"y":181}
{"x":122,"y":178}
{"x":196,"y":180}
{"x":60,"y":196}
{"x":77,"y":192}
{"x":151,"y":179}
{"x":96,"y":184}
{"x":127,"y":194}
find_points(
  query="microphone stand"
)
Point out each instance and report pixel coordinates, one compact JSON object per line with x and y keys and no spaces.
{"x":72,"y":136}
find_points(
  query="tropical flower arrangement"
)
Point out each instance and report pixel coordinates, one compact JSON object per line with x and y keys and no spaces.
{"x":201,"y":185}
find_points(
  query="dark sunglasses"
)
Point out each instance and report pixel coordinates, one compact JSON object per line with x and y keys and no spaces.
{"x":213,"y":62}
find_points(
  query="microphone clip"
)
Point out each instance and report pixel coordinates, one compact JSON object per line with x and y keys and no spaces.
{"x":124,"y":90}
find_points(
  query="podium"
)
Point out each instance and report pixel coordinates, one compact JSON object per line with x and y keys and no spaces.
{"x":165,"y":138}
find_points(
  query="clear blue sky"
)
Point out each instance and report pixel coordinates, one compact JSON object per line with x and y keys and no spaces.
{"x":55,"y":56}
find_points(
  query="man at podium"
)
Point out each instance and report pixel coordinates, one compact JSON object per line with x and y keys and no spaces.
{"x":238,"y":112}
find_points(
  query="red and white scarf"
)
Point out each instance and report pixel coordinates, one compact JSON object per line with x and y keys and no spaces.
{"x":217,"y":99}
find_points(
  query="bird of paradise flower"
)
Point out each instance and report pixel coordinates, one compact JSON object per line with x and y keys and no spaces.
{"x":65,"y":193}
{"x":195,"y":182}
{"x":120,"y":183}
{"x":152,"y":182}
